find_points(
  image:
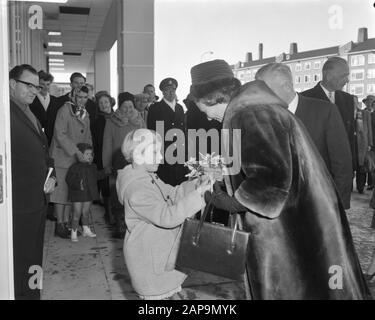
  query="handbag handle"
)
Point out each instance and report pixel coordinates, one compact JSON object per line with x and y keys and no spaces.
{"x":196,"y":236}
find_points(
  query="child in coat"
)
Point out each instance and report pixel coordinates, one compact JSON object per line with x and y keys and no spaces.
{"x":154,"y":213}
{"x":82,"y":179}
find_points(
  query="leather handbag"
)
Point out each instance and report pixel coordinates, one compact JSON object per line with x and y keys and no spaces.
{"x":213,"y":248}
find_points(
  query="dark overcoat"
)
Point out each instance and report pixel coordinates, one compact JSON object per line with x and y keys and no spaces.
{"x":326,"y":128}
{"x":82,"y":182}
{"x":300,"y":246}
{"x":345,"y":103}
{"x":30,"y":163}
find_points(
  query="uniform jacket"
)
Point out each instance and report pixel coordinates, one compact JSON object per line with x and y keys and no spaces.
{"x":154,"y":212}
{"x":323,"y":122}
{"x":345,"y":104}
{"x":40,"y":113}
{"x":30,"y":162}
{"x":69,"y":131}
{"x":172,"y":174}
{"x":300,"y":241}
{"x":82,"y":182}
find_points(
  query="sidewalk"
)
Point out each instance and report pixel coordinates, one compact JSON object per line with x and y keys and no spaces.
{"x":95,"y":268}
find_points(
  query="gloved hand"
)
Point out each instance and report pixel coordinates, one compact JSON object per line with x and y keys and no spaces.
{"x":221,"y":200}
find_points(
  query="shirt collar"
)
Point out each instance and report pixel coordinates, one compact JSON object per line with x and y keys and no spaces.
{"x":293,"y":104}
{"x":171,"y":104}
{"x":325,"y":90}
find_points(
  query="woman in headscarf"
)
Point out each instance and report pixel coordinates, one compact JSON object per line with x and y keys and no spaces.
{"x":125,"y":119}
{"x":72,"y":126}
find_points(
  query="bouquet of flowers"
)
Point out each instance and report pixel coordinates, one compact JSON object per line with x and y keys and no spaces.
{"x":210,"y":164}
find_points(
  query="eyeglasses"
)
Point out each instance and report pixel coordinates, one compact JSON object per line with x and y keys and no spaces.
{"x":30,"y":85}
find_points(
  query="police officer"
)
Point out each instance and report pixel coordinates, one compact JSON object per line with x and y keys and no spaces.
{"x":171,"y":115}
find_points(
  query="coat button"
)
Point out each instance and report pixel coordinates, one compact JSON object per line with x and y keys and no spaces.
{"x":81,"y":131}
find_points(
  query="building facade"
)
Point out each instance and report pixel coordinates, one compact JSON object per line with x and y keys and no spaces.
{"x":307,"y":66}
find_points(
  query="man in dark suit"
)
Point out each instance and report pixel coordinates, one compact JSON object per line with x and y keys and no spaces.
{"x":335,"y":77}
{"x":172,"y":115}
{"x":30,"y":186}
{"x":322,"y":121}
{"x":44,"y":103}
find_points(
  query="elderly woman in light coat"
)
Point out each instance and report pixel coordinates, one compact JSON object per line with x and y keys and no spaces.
{"x":154,"y":212}
{"x":72,"y":126}
{"x":125,"y":119}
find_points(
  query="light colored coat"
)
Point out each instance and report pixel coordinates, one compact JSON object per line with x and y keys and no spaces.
{"x":154,"y":212}
{"x":68,"y":132}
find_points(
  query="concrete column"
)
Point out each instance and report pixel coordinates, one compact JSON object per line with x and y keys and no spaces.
{"x":102,"y":64}
{"x":135,"y":44}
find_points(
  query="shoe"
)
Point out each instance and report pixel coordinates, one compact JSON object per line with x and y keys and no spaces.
{"x":369,"y":277}
{"x":73,"y":236}
{"x":87,"y":232}
{"x":61,"y":231}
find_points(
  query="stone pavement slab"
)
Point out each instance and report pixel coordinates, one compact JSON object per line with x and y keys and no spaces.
{"x":95,"y":268}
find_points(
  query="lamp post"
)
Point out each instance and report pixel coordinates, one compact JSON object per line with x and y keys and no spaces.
{"x":204,"y":53}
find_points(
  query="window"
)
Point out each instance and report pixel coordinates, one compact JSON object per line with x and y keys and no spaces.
{"x":357,"y":89}
{"x":298,"y":66}
{"x":298,"y":79}
{"x":317,"y":64}
{"x":371,"y":88}
{"x":307,"y":65}
{"x":358,"y":60}
{"x":371,"y":58}
{"x":307,"y":78}
{"x":358,"y":74}
{"x":316,"y":77}
{"x":370,"y":73}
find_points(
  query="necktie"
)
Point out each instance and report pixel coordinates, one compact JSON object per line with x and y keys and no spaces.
{"x":331,"y":96}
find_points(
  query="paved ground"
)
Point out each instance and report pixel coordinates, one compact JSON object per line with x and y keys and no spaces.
{"x":95,"y":268}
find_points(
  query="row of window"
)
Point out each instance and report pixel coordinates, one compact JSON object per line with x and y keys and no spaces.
{"x":359,"y":74}
{"x":360,"y":59}
{"x":359,"y":89}
{"x":307,"y":78}
{"x":308,"y":65}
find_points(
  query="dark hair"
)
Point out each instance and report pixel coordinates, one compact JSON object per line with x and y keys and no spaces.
{"x":148,"y":85}
{"x":84,"y":146}
{"x":83,"y":89}
{"x":76,"y":75}
{"x":227,"y":86}
{"x":104,"y":93}
{"x":45,"y":76}
{"x":17,"y":71}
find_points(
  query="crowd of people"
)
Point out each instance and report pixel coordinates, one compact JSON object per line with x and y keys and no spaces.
{"x":300,"y":153}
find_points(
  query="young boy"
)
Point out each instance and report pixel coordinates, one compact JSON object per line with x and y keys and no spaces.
{"x":82,"y":183}
{"x":154,"y":212}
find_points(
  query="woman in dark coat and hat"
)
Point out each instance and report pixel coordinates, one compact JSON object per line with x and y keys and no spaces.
{"x":105,"y":106}
{"x":300,"y":246}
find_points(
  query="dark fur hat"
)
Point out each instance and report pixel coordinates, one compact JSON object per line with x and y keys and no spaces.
{"x":209,"y":76}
